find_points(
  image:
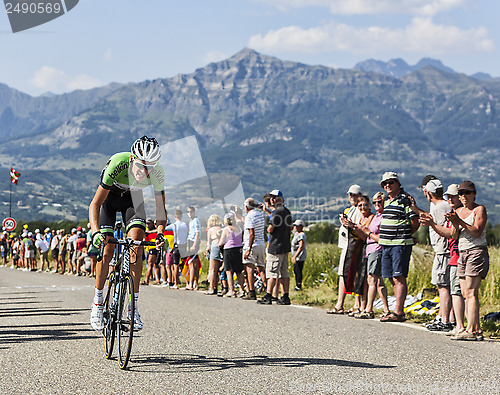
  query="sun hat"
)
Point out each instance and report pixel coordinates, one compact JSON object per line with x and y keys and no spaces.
{"x":452,"y":190}
{"x":355,"y":189}
{"x":389,"y":175}
{"x":467,"y":186}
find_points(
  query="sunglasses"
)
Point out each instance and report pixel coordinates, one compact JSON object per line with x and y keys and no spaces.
{"x":142,"y":166}
{"x":389,"y":182}
{"x":378,"y":202}
{"x":465,"y":192}
{"x":362,"y":205}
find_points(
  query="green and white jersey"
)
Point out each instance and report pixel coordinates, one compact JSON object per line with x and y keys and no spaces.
{"x":118,"y":178}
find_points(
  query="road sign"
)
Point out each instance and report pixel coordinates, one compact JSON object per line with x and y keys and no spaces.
{"x":9,"y":224}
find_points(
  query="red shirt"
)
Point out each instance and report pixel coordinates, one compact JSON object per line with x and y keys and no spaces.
{"x":453,"y":246}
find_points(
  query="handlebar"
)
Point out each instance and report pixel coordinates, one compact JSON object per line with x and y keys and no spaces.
{"x":129,"y":241}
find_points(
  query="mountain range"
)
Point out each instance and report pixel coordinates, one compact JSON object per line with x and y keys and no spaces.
{"x":308,"y":130}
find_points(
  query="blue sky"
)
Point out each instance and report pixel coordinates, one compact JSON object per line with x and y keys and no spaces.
{"x":102,"y":41}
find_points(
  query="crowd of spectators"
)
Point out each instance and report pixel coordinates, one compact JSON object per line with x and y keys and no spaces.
{"x":52,"y":251}
{"x":375,"y":245}
{"x":378,"y":246}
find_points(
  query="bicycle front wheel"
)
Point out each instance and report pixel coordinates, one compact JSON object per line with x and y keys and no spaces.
{"x":125,"y":320}
{"x":109,"y":314}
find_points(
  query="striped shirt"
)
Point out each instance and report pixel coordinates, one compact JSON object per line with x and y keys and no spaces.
{"x":254,"y":220}
{"x":395,"y":228}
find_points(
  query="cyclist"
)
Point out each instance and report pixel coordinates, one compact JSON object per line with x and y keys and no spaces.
{"x":120,"y":190}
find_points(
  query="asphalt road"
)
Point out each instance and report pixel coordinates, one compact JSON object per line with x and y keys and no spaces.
{"x":198,"y":344}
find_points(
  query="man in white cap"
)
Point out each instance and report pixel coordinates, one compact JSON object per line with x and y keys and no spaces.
{"x":399,"y":222}
{"x":347,"y":243}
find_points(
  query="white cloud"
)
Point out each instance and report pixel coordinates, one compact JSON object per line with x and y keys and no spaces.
{"x":422,"y":35}
{"x":108,"y":55}
{"x":57,"y":81}
{"x":214,"y":56}
{"x":353,"y":7}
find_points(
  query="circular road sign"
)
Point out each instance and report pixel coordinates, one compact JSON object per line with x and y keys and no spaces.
{"x":9,"y":224}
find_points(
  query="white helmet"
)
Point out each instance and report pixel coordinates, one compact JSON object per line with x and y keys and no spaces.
{"x":146,"y":149}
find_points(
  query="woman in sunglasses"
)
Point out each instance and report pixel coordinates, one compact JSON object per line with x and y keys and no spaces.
{"x":469,"y":224}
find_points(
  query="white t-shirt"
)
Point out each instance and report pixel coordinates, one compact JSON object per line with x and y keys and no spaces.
{"x":180,"y":232}
{"x":39,"y":244}
{"x":254,"y":220}
{"x":354,"y":215}
{"x":439,"y":243}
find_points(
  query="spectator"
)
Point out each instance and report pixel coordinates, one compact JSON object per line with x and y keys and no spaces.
{"x":214,"y":230}
{"x":92,"y":252}
{"x":254,"y":246}
{"x":349,"y":243}
{"x":469,"y":224}
{"x":451,"y":195}
{"x":358,"y":272}
{"x":279,"y":246}
{"x":72,"y":250}
{"x":42,"y":248}
{"x":81,"y":243}
{"x":29,"y":252}
{"x":398,"y":224}
{"x":194,"y":239}
{"x":16,"y":250}
{"x":54,"y":247}
{"x":179,"y":251}
{"x":374,"y":261}
{"x":63,"y":250}
{"x":440,"y":268}
{"x":231,"y":242}
{"x":151,"y":254}
{"x":4,"y":247}
{"x":84,"y":263}
{"x":299,"y":252}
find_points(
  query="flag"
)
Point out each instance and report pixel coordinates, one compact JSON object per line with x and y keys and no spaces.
{"x":14,"y":175}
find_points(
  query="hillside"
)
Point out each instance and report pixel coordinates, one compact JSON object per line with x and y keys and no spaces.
{"x":308,"y":130}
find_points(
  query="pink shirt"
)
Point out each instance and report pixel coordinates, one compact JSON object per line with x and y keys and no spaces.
{"x":233,"y":240}
{"x":374,"y":227}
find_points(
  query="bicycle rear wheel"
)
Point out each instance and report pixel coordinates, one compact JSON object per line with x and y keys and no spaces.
{"x":125,"y":320}
{"x":109,"y":330}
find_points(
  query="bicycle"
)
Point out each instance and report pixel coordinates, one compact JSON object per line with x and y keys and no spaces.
{"x":119,"y":322}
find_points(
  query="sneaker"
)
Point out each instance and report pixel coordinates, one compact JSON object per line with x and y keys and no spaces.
{"x":96,"y":317}
{"x":284,"y":301}
{"x":440,"y":327}
{"x":297,"y":288}
{"x":273,"y":299}
{"x":138,"y":324}
{"x":479,"y":335}
{"x":265,"y":300}
{"x":166,"y":285}
{"x":465,"y":335}
{"x":432,"y":322}
{"x":229,"y":295}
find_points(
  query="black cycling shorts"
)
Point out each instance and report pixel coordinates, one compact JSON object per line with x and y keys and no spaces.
{"x":130,"y":204}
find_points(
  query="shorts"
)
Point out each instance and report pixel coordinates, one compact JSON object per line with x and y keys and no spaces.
{"x":233,"y":259}
{"x":454,"y":281}
{"x":215,"y":252}
{"x":474,"y":262}
{"x":55,"y":253}
{"x":156,"y":260}
{"x":134,"y":216}
{"x":441,"y":270}
{"x":77,"y":254}
{"x":29,"y":254}
{"x":374,"y":265}
{"x":169,"y":258}
{"x":62,"y":254}
{"x":396,"y":260}
{"x":257,"y":256}
{"x":277,"y":266}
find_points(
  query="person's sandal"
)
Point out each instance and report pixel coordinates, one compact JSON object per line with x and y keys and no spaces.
{"x":335,"y":311}
{"x":353,"y":313}
{"x":365,"y":315}
{"x":144,"y":283}
{"x":393,"y":317}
